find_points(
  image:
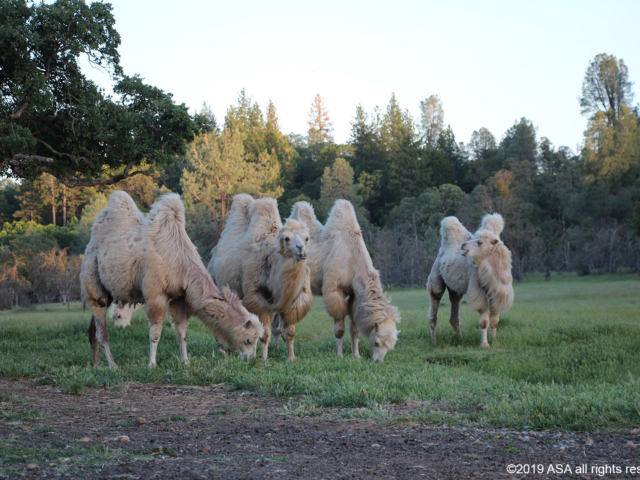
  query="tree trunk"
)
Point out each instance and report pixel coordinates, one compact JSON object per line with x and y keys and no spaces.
{"x":64,"y":205}
{"x":53,"y":202}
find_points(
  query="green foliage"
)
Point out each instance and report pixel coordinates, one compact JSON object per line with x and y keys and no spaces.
{"x":89,"y":213}
{"x":9,"y":202}
{"x":56,"y":120}
{"x":337,"y":182}
{"x":612,"y":147}
{"x":61,"y":237}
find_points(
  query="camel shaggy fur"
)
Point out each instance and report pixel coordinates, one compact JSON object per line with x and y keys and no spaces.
{"x":477,"y":265}
{"x":265,"y":262}
{"x":342,"y":271}
{"x":136,"y":259}
{"x":121,"y":314}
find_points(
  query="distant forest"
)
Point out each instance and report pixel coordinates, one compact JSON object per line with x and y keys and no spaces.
{"x":565,"y":211}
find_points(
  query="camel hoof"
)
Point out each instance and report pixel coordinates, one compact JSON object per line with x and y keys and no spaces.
{"x":152,"y":364}
{"x":485,"y":345}
{"x":356,"y":357}
{"x":291,"y":359}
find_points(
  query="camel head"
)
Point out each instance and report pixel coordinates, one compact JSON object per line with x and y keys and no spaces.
{"x":121,"y":314}
{"x":384,"y":334}
{"x":483,"y":244}
{"x":293,"y":238}
{"x":243,"y":329}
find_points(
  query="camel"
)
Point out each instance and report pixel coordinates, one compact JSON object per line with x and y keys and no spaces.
{"x":265,"y":262}
{"x":478,"y":265}
{"x":136,"y":259}
{"x":343,"y":273}
{"x":121,"y":314}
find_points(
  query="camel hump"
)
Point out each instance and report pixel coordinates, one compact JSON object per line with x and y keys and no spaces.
{"x":494,"y":223}
{"x":453,"y":232}
{"x":343,"y":217}
{"x":121,"y":203}
{"x":303,"y":211}
{"x":265,"y":219}
{"x":240,"y":206}
{"x":169,"y":209}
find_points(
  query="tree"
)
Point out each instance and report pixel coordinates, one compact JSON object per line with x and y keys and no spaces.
{"x":54,"y":120}
{"x":606,"y":87}
{"x":611,"y":148}
{"x":481,"y":142}
{"x":431,"y":120}
{"x":455,"y":153}
{"x":519,"y":142}
{"x":217,"y":169}
{"x":320,"y":124}
{"x":337,"y":182}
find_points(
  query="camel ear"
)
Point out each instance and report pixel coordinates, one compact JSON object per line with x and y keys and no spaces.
{"x":248,"y":324}
{"x":377,"y":327}
{"x":281,"y":249}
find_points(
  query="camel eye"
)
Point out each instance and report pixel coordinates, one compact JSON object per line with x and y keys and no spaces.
{"x":248,"y":341}
{"x":377,"y":344}
{"x":306,"y":239}
{"x":286,"y":239}
{"x":479,"y":242}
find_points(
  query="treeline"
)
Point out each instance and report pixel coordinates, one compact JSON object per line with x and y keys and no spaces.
{"x":564,"y":210}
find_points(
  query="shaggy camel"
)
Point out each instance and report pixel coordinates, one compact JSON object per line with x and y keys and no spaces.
{"x":265,"y":263}
{"x":121,"y":314}
{"x":478,"y":265}
{"x":136,"y":259}
{"x":342,"y":271}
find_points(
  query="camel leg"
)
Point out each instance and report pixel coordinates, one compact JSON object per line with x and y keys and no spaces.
{"x":276,"y":329}
{"x":180,"y":321}
{"x":484,"y":325}
{"x":156,"y":312}
{"x":289,"y":332}
{"x":353,"y":329}
{"x":99,"y":319}
{"x":336,"y":305}
{"x":436,"y":288}
{"x":454,"y":320}
{"x":494,"y":318}
{"x":95,"y":348}
{"x":266,"y":320}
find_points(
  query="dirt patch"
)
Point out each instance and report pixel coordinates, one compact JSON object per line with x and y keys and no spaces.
{"x":210,"y":432}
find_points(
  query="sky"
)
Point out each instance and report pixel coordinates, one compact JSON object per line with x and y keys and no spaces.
{"x":490,"y":62}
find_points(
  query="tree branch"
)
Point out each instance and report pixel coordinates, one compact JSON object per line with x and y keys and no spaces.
{"x":15,"y":115}
{"x":75,"y":159}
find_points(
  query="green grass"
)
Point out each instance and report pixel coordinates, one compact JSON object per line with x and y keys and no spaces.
{"x":567,"y":356}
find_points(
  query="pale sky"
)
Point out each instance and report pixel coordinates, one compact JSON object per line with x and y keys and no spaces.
{"x":491,"y":63}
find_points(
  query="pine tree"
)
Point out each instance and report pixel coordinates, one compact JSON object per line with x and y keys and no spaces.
{"x":320,"y":124}
{"x":337,"y":183}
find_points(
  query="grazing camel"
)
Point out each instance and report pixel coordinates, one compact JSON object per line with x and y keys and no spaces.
{"x":136,"y":259}
{"x":342,"y":271}
{"x":478,"y":265}
{"x":121,"y":314}
{"x":265,"y":262}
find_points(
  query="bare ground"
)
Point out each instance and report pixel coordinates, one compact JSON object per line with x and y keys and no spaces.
{"x":211,"y":432}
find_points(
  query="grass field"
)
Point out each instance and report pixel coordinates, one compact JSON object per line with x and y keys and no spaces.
{"x":567,"y":356}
